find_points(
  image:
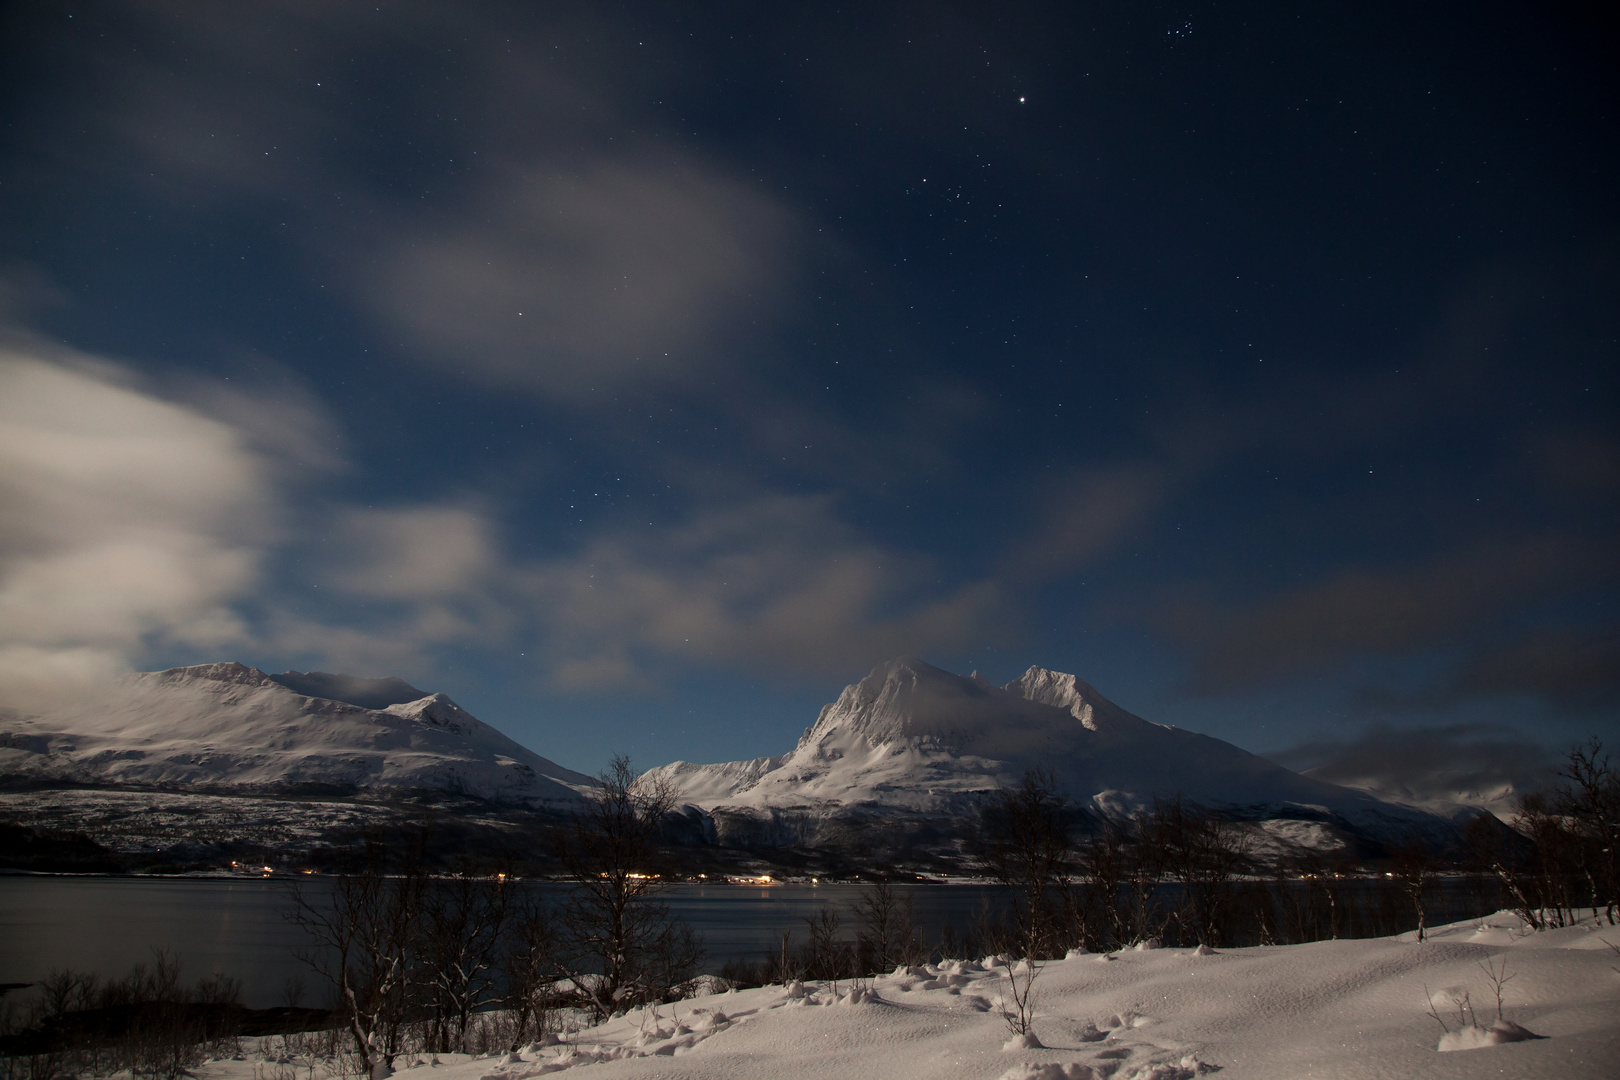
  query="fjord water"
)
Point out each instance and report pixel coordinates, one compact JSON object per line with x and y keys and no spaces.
{"x":237,"y":926}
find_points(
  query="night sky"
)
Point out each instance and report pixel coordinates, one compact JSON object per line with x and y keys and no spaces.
{"x":639,"y":375}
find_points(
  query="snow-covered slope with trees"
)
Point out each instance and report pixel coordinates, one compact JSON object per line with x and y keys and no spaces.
{"x":911,"y":737}
{"x":229,"y":727}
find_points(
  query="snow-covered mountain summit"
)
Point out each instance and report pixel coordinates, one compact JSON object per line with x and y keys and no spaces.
{"x":227,"y":726}
{"x":911,"y":737}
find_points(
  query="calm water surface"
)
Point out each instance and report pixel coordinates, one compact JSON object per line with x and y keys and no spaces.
{"x":237,"y":926}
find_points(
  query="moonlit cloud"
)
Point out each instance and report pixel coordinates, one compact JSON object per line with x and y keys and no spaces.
{"x":1482,"y":761}
{"x":135,"y":524}
{"x":412,"y":552}
{"x":132,"y":524}
{"x":564,"y":262}
{"x":1363,"y":611}
{"x":777,"y":584}
{"x":128,"y":520}
{"x":1575,"y":669}
{"x":566,"y":281}
{"x":1087,"y":516}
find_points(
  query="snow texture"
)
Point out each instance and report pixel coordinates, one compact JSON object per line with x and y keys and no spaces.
{"x":1325,"y":1009}
{"x":229,"y":727}
{"x":913,"y":738}
{"x":1474,"y":1037}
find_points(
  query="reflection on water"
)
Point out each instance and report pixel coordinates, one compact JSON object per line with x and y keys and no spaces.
{"x":234,"y":927}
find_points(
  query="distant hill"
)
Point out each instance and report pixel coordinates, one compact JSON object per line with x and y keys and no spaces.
{"x":229,"y":727}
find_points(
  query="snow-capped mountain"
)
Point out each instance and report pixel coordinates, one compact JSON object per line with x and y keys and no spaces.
{"x":915,"y":739}
{"x":229,"y":727}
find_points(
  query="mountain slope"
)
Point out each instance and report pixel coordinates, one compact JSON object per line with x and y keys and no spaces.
{"x":227,"y":726}
{"x":913,"y":738}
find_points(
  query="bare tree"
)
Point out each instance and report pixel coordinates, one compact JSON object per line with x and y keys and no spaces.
{"x":529,"y":964}
{"x":782,"y":964}
{"x":1018,"y":1003}
{"x":887,"y":928}
{"x":364,"y":933}
{"x":1106,"y":858}
{"x":1144,"y":871}
{"x":1204,"y":854}
{"x":462,"y":924}
{"x":1025,"y":843}
{"x":1493,"y":850}
{"x":826,"y":955}
{"x":149,"y":1023}
{"x":1554,"y":857}
{"x":1413,"y":866}
{"x":621,"y":944}
{"x":1498,"y":976}
{"x":1589,"y":798}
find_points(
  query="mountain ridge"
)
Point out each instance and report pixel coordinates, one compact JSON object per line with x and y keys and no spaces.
{"x":911,"y":739}
{"x":903,"y":757}
{"x":233,"y":727}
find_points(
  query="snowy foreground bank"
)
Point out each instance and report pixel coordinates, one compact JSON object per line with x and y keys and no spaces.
{"x":1325,"y":1009}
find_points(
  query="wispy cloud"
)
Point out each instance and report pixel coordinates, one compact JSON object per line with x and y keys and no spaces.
{"x":1086,"y":516}
{"x":128,"y":519}
{"x":1422,"y":764}
{"x":564,"y":281}
{"x":136,"y":523}
{"x":1378,"y":612}
{"x":776,"y":584}
{"x":1575,"y":669}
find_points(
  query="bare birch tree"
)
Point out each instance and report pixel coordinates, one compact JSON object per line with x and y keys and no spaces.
{"x":620,"y":942}
{"x":364,"y":933}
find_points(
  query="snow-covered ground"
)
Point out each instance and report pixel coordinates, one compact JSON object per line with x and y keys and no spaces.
{"x":1326,"y":1009}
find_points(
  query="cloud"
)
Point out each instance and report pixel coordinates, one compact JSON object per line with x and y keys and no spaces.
{"x":775,"y":584}
{"x":541,"y":180}
{"x":1359,"y":612}
{"x":630,"y":263}
{"x":274,"y":412}
{"x":1086,"y":516}
{"x":391,"y":586}
{"x":126,"y":520}
{"x":1575,"y":670}
{"x":569,"y":281}
{"x":132,"y":523}
{"x":412,"y":552}
{"x":1428,"y":764}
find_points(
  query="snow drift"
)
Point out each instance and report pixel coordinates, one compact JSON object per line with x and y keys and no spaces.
{"x":1324,"y":1009}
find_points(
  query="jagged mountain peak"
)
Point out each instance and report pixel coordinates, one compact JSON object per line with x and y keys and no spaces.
{"x":1072,"y":694}
{"x":907,"y":699}
{"x":910,"y":737}
{"x":437,"y":710}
